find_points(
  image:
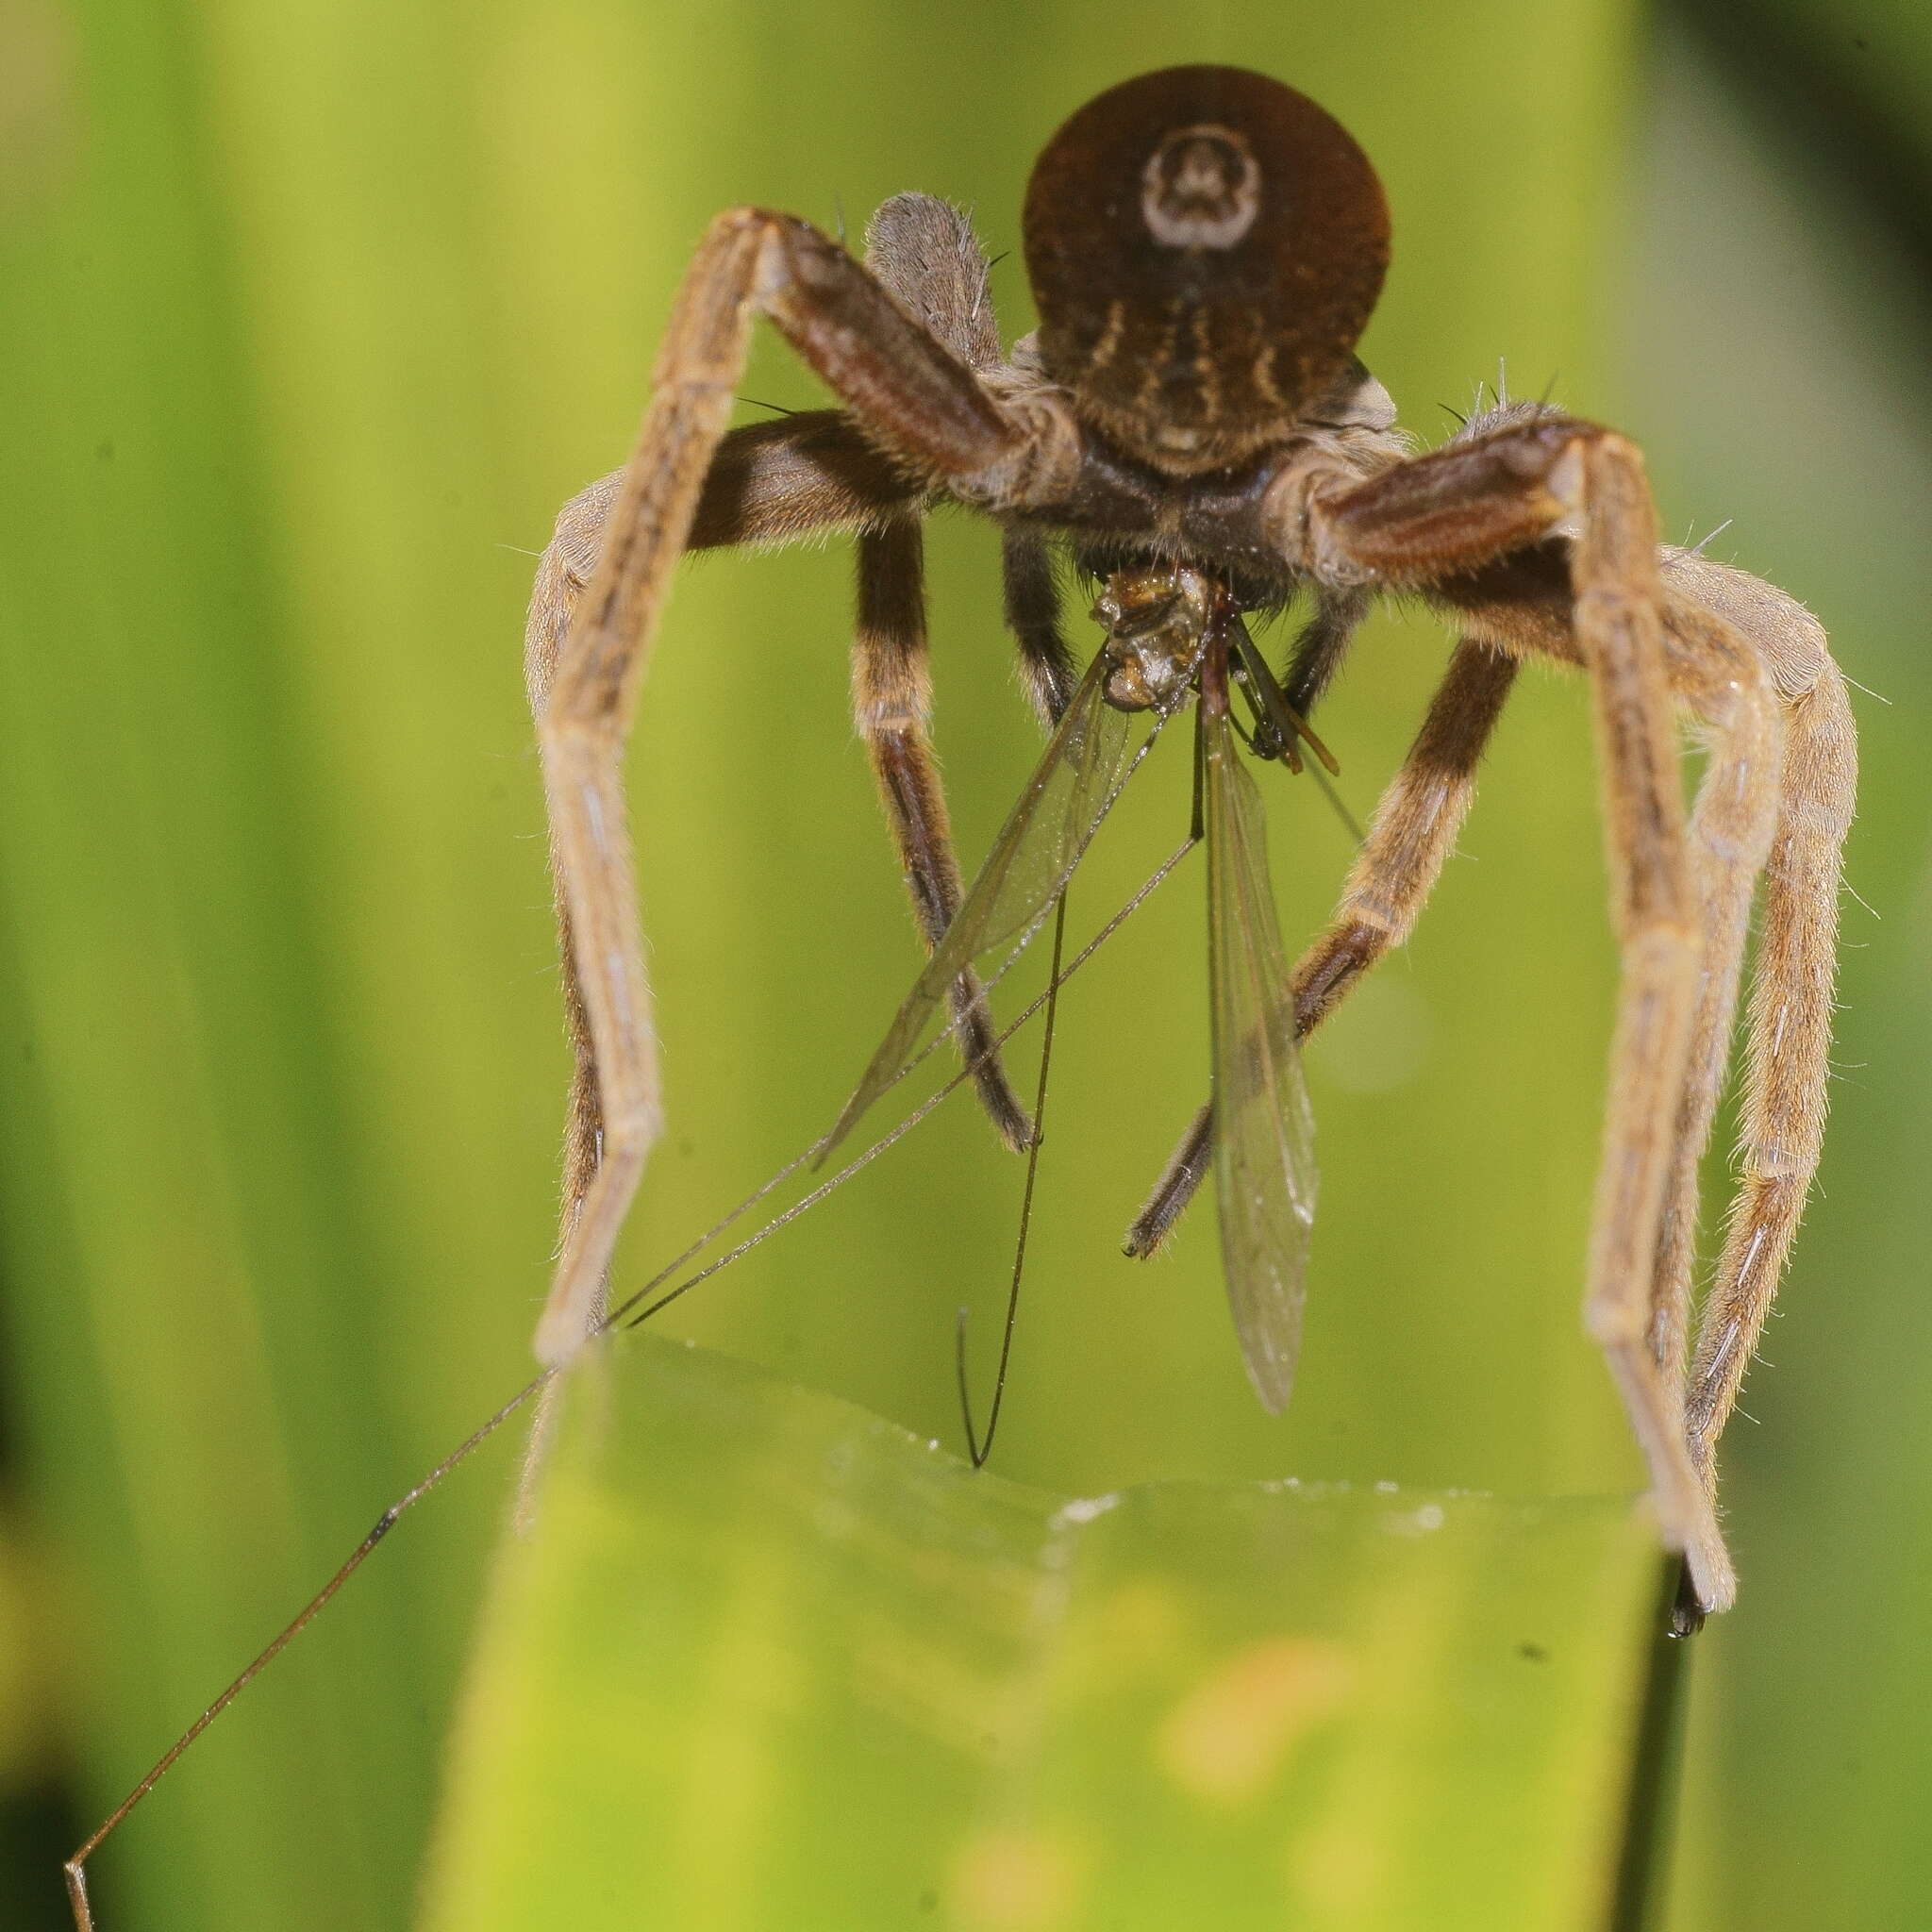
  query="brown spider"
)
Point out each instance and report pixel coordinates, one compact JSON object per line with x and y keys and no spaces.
{"x":1204,"y":247}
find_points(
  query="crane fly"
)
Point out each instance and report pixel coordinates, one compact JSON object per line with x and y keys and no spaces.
{"x":1174,"y":634}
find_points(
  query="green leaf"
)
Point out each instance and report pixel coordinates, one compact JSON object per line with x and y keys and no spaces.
{"x":768,"y":1660}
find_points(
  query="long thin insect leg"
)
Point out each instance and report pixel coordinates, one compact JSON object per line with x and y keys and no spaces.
{"x":1197,"y":816}
{"x":976,"y":1447}
{"x":1081,"y":774}
{"x":75,"y":1867}
{"x":844,"y":1174}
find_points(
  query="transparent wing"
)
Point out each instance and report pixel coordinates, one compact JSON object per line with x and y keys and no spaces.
{"x":1080,"y":773}
{"x":1264,"y":1132}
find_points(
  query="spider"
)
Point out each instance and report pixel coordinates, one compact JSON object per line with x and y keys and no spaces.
{"x":1204,"y":247}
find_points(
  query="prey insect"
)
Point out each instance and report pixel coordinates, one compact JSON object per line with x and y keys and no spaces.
{"x":1173,"y":632}
{"x":1190,"y":427}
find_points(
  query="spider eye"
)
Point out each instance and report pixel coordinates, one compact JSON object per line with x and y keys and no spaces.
{"x":1201,"y":189}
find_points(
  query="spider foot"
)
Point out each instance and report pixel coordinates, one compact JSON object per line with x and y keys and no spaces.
{"x":1687,"y":1613}
{"x":1709,"y":1583}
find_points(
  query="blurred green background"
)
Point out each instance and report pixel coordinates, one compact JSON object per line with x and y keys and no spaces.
{"x":309,"y":316}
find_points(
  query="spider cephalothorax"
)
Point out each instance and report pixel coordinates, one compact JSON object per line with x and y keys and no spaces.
{"x":1190,"y":428}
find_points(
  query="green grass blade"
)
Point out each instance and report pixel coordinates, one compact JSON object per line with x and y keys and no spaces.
{"x":768,"y":1661}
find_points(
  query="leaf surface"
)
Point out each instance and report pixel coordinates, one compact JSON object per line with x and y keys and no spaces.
{"x":770,"y":1662}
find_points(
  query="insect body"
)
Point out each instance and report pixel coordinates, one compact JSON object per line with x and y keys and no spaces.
{"x":1157,"y":623}
{"x":1191,"y":422}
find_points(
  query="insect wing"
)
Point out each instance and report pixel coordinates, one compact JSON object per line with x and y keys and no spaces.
{"x":1264,"y":1147}
{"x":1079,"y":776}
